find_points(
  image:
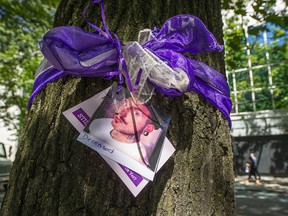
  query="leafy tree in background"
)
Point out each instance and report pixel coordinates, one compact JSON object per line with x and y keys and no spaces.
{"x":23,"y":23}
{"x":274,"y":22}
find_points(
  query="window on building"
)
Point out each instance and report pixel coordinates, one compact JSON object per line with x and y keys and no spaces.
{"x":257,"y":73}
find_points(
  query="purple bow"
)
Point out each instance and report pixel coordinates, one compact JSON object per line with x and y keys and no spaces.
{"x":73,"y":51}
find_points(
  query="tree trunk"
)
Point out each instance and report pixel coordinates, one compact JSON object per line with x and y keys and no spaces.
{"x":53,"y":174}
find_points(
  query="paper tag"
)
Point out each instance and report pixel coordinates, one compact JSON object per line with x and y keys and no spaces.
{"x":128,"y":177}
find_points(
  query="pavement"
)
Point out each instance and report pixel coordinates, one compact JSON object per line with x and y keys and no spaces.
{"x":270,"y":198}
{"x":267,"y":183}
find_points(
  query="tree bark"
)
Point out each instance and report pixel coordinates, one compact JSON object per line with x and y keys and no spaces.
{"x":53,"y":174}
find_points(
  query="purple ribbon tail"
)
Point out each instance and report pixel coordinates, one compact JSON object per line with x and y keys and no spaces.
{"x":204,"y":80}
{"x":218,"y":99}
{"x":43,"y":79}
{"x":137,"y":81}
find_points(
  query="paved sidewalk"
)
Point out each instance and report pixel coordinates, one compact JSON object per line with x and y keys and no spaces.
{"x":270,"y":198}
{"x":268,"y":183}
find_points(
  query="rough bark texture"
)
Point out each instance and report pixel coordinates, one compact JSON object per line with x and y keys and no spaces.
{"x":53,"y":174}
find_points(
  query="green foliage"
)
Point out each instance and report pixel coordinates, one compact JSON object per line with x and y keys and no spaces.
{"x":234,"y":40}
{"x":245,"y":42}
{"x":23,"y":23}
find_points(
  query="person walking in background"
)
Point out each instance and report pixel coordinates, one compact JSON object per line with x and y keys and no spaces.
{"x":253,"y":168}
{"x":247,"y":170}
{"x":247,"y":167}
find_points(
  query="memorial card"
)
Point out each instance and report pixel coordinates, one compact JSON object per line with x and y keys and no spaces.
{"x":128,"y":131}
{"x":80,"y":115}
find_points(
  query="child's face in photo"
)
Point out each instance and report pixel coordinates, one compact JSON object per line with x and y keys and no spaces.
{"x":123,"y":120}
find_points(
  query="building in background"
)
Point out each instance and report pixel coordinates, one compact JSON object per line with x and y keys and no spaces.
{"x":257,"y":73}
{"x":9,"y":139}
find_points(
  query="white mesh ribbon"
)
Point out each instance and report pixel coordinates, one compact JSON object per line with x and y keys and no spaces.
{"x":136,"y":59}
{"x":144,"y":36}
{"x":43,"y":66}
{"x":153,"y":68}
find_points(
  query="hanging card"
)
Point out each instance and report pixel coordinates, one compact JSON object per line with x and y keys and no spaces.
{"x":128,"y":131}
{"x":80,"y":115}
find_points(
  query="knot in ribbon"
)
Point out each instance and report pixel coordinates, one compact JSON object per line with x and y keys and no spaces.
{"x":156,"y":60}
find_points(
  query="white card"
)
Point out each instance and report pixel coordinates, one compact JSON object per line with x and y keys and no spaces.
{"x":80,"y":115}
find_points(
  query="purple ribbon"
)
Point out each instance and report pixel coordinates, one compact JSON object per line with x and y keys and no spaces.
{"x":73,"y":51}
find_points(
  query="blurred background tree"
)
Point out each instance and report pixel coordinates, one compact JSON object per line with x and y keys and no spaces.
{"x":22,"y":25}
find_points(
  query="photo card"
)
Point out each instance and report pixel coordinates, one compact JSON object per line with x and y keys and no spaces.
{"x":128,"y":131}
{"x":80,"y":115}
